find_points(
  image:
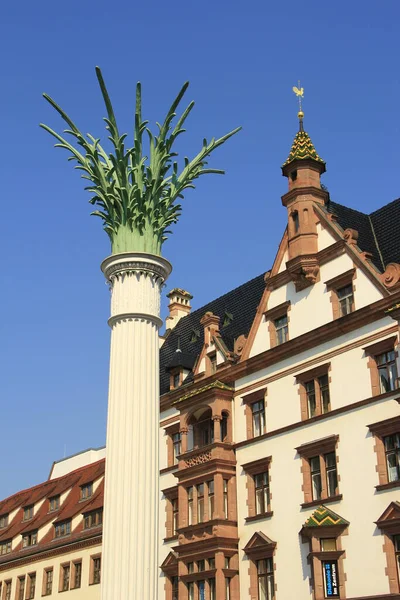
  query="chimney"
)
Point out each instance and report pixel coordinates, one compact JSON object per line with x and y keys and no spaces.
{"x":210,"y":323}
{"x":179,"y":306}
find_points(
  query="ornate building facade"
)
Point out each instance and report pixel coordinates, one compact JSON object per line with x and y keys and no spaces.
{"x":279,"y":429}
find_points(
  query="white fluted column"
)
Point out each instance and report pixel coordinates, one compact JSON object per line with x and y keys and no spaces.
{"x":130,"y":528}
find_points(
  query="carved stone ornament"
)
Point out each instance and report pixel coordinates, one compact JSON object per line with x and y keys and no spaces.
{"x":391,"y":277}
{"x":304,"y":271}
{"x":351,"y":236}
{"x":198,"y":459}
{"x":239,"y":344}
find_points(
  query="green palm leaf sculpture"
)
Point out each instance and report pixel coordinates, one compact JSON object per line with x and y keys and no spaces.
{"x":136,"y":195}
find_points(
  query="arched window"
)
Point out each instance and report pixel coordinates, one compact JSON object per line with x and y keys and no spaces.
{"x":296,"y":223}
{"x":203,"y":427}
{"x":224,"y":426}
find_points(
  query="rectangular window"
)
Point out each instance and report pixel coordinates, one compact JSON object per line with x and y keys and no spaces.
{"x":175,"y":587}
{"x":96,"y":569}
{"x":191,"y":590}
{"x":3,"y":521}
{"x":29,"y":539}
{"x":190,"y":567}
{"x":331,"y":473}
{"x":62,"y":529}
{"x":323,"y":383}
{"x":93,"y":519}
{"x":210,"y":485}
{"x":213,"y":362}
{"x":48,"y":582}
{"x":200,"y":503}
{"x":258,"y":415}
{"x":328,"y":544}
{"x":331,"y":482}
{"x":311,"y":398}
{"x":261,"y":483}
{"x":211,"y":564}
{"x":346,"y":300}
{"x":227,"y":588}
{"x":396,"y":543}
{"x":177,"y":378}
{"x":281,"y":330}
{"x":21,"y":588}
{"x":86,"y":490}
{"x":5,"y":547}
{"x":201,"y":565}
{"x":387,"y":371}
{"x":392,"y":452}
{"x":211,"y":586}
{"x":190,"y":505}
{"x":54,"y":503}
{"x":225,"y":488}
{"x":31,"y":586}
{"x":265,"y":576}
{"x":28,"y":512}
{"x":7,"y":590}
{"x":316,"y":480}
{"x":65,"y":573}
{"x":175,"y":516}
{"x":176,"y":447}
{"x":317,"y":395}
{"x":76,"y":575}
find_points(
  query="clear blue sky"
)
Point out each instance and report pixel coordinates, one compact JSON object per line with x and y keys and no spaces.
{"x":242,"y":59}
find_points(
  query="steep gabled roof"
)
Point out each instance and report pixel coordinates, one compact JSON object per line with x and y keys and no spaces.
{"x":378,"y":231}
{"x":241,"y":303}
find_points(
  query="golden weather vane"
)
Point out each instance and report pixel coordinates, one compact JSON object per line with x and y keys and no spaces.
{"x":299,"y":91}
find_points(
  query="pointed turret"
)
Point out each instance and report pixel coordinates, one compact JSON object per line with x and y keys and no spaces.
{"x":303,"y":168}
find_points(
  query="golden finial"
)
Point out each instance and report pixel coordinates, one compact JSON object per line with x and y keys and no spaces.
{"x":299,"y":91}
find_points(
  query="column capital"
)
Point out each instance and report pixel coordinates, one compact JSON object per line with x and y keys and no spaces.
{"x":136,"y":262}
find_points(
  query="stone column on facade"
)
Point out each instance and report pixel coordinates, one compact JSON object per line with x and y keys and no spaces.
{"x":131,"y":501}
{"x":217,"y":427}
{"x":219,"y":575}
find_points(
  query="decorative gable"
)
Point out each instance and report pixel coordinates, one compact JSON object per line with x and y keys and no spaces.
{"x":259,"y":546}
{"x":389,"y":521}
{"x":324,"y":521}
{"x":170,"y":564}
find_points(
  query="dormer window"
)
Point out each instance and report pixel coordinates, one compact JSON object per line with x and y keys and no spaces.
{"x":93,"y":519}
{"x":194,"y":336}
{"x":28,"y":512}
{"x":54,"y":503}
{"x":29,"y":539}
{"x":177,"y":379}
{"x":86,"y":490}
{"x":63,"y":529}
{"x":3,"y":521}
{"x":213,"y":362}
{"x":228,"y":318}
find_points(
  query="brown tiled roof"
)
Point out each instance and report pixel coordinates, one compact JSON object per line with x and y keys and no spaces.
{"x":71,"y":507}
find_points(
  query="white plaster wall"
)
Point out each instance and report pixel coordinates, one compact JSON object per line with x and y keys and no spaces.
{"x":365,"y":562}
{"x":71,"y":463}
{"x":325,"y":238}
{"x":350,"y":378}
{"x":365,"y":290}
{"x":85,"y":592}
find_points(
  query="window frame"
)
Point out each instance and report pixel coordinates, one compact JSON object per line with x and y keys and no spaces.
{"x":319,"y":449}
{"x":30,"y":537}
{"x":274,"y":314}
{"x":335,"y":285}
{"x":31,"y":587}
{"x":47,"y":587}
{"x":252,"y":469}
{"x":171,"y":513}
{"x":314,"y":375}
{"x":372,"y":352}
{"x":95,"y":573}
{"x":76,"y":574}
{"x":380,"y":431}
{"x":86,"y":491}
{"x":65,"y":577}
{"x":259,"y":413}
{"x":63,"y":528}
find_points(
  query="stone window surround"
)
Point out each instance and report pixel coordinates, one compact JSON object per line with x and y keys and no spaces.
{"x":309,"y":450}
{"x":374,"y":350}
{"x":302,"y":379}
{"x":316,"y":556}
{"x":93,"y":557}
{"x":74,"y":563}
{"x":170,"y":432}
{"x":380,"y":430}
{"x":276,"y":313}
{"x":63,"y":566}
{"x":170,"y":494}
{"x":252,"y":468}
{"x":44,"y":582}
{"x":389,"y":528}
{"x":266,"y":550}
{"x":335,"y":284}
{"x":248,"y":400}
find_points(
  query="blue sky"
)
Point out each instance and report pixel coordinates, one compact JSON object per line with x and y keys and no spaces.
{"x":242,"y":60}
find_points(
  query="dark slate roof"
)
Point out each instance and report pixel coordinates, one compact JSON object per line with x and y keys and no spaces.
{"x":241,"y":303}
{"x":181,"y":359}
{"x":379,"y":232}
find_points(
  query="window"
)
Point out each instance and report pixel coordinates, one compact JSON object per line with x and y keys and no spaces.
{"x":200,"y":503}
{"x":175,"y":516}
{"x":65,"y":573}
{"x":314,"y":392}
{"x":213,"y":362}
{"x":190,"y":567}
{"x":295,"y":220}
{"x":93,"y":519}
{"x":211,"y":564}
{"x":21,"y":588}
{"x":262,"y":499}
{"x":28,"y":512}
{"x":3,"y":521}
{"x":31,"y":586}
{"x":225,"y":489}
{"x":342,"y":293}
{"x":5,"y":547}
{"x":190,"y":586}
{"x":319,"y":468}
{"x":175,"y":587}
{"x":76,"y":575}
{"x":328,"y":544}
{"x":7,"y":590}
{"x":281,"y":329}
{"x":86,"y":491}
{"x":190,"y":505}
{"x":258,"y":414}
{"x":211,"y":587}
{"x":227,"y":588}
{"x":387,"y":449}
{"x":211,"y":498}
{"x":201,"y":565}
{"x":224,"y":427}
{"x":177,"y":380}
{"x":346,"y":300}
{"x":176,"y":447}
{"x":54,"y":503}
{"x":265,"y":579}
{"x":392,"y":453}
{"x":29,"y":539}
{"x":62,"y":529}
{"x":387,"y":371}
{"x":96,"y":565}
{"x":47,"y":582}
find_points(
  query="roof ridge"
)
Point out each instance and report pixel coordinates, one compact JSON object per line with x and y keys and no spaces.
{"x":384,"y":206}
{"x":376,"y":241}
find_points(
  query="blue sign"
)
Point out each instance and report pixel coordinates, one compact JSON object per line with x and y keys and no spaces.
{"x":331,"y":579}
